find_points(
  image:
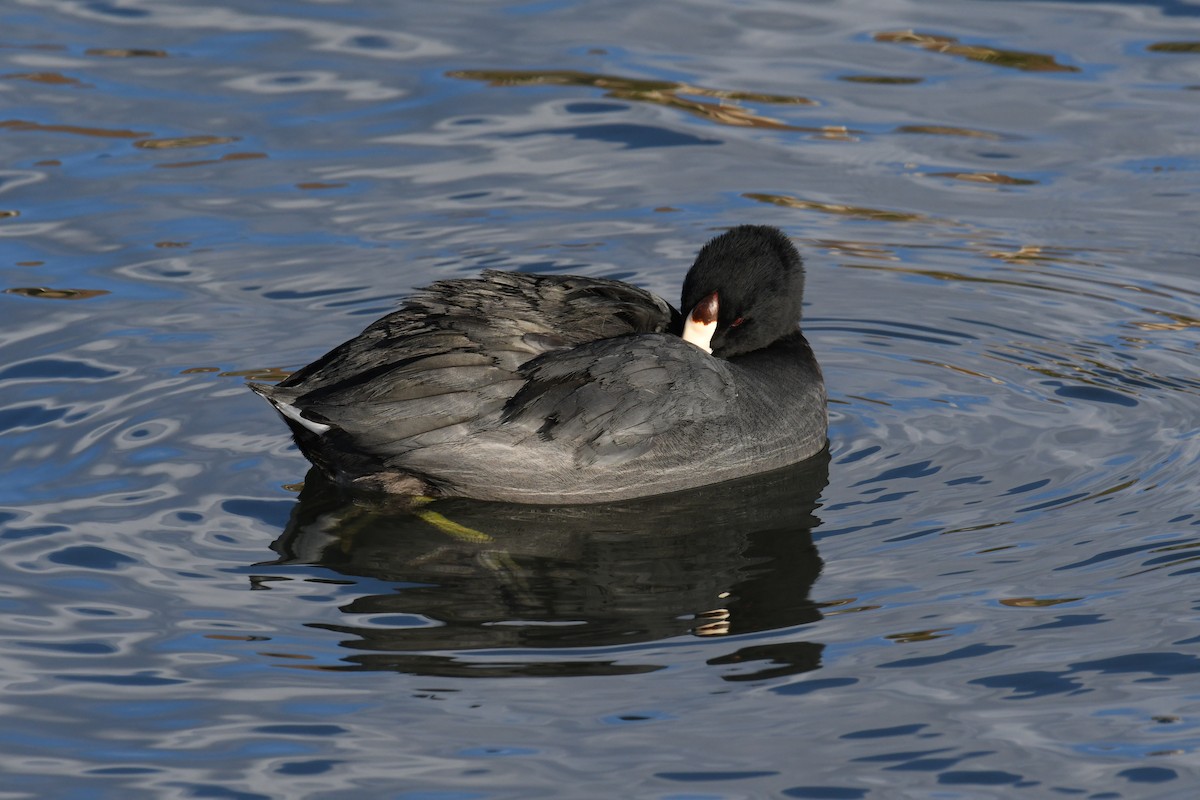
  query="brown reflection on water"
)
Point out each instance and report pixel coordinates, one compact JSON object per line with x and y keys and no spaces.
{"x":207,"y":161}
{"x":663,"y":93}
{"x":994,"y":178}
{"x":255,"y":374}
{"x":1013,"y":59}
{"x":908,"y":637}
{"x":259,"y":373}
{"x":616,"y":83}
{"x":857,"y":249}
{"x":831,"y":610}
{"x":1037,"y":602}
{"x":838,"y":133}
{"x":861,"y":212}
{"x":122,"y":52}
{"x":48,"y":78}
{"x":1177,"y":322}
{"x":884,"y":80}
{"x":948,"y":130}
{"x":79,"y":130}
{"x":46,"y":293}
{"x":176,"y":142}
{"x":52,"y":48}
{"x":317,"y":185}
{"x":1036,"y":253}
{"x":1174,"y":47}
{"x":962,"y":371}
{"x":268,"y":374}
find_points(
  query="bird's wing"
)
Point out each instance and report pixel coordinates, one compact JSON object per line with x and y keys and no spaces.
{"x":613,"y":400}
{"x":452,"y":354}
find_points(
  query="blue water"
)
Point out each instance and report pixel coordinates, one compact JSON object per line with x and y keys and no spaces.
{"x":988,"y":590}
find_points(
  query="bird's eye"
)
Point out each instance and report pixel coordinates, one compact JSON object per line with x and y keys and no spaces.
{"x":737,"y":322}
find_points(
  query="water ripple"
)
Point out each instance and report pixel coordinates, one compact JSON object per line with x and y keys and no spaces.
{"x":992,"y":199}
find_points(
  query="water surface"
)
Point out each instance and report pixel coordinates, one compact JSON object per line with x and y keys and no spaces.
{"x":986,"y":590}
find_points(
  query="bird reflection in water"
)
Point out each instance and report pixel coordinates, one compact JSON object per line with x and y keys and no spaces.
{"x":497,"y":587}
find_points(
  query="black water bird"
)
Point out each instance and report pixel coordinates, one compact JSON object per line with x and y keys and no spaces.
{"x":558,"y":389}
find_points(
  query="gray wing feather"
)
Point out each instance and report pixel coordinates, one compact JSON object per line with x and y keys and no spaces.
{"x":450,"y":359}
{"x":613,"y":400}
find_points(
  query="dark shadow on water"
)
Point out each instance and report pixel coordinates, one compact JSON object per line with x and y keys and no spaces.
{"x":489,"y":589}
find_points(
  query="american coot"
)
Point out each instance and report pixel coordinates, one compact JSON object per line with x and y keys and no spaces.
{"x":559,"y":389}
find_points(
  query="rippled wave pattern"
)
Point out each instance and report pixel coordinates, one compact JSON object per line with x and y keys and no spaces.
{"x":986,"y":588}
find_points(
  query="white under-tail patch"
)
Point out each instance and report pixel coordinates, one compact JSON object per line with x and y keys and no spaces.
{"x":700,"y":325}
{"x":293,"y":413}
